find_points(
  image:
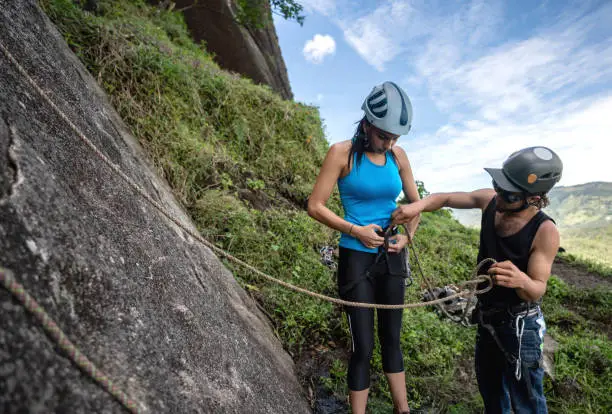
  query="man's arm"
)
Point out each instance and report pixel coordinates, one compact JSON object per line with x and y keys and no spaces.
{"x":531,"y":286}
{"x":475,"y":199}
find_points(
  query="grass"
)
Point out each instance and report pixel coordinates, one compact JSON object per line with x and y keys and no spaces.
{"x":242,"y":161}
{"x":578,"y":319}
{"x":590,"y":247}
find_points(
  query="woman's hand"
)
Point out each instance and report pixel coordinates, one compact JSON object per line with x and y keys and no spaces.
{"x":367,"y":235}
{"x":397,"y":243}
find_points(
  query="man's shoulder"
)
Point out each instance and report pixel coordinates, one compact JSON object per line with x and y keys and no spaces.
{"x":547,"y":236}
{"x":548,"y":227}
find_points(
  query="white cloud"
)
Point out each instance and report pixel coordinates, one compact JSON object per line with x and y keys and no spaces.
{"x":548,"y":85}
{"x":530,"y":76}
{"x":521,"y":77}
{"x":551,"y":89}
{"x":380,"y":36}
{"x":453,"y":159}
{"x":318,"y":47}
{"x":320,"y":97}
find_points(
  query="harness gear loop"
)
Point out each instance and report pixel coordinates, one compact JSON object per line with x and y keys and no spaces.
{"x":520,"y":327}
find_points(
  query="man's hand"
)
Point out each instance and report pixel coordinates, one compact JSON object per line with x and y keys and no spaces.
{"x":405,"y":213}
{"x":506,"y":274}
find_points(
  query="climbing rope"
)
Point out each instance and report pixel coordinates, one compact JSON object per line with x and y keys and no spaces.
{"x":219,"y":251}
{"x":464,"y":318}
{"x":9,"y":283}
{"x":16,"y":289}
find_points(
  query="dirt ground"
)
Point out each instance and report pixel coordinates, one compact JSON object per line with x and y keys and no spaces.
{"x":579,"y":276}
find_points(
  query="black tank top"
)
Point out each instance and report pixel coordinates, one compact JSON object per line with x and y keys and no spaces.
{"x":515,"y":248}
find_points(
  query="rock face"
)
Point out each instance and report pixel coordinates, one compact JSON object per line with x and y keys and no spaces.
{"x":254,"y":53}
{"x":152,"y":308}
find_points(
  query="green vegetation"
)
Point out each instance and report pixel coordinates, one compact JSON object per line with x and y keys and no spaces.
{"x":584,"y":214}
{"x":579,"y":320}
{"x":242,"y":162}
{"x":582,"y":206}
{"x":591,"y":246}
{"x":256,"y":14}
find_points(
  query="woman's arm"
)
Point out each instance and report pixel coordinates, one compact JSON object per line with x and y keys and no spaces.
{"x":333,"y":166}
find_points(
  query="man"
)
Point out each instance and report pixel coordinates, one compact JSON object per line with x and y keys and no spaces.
{"x":523,"y":241}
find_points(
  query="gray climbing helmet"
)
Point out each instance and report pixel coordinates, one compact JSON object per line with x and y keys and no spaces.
{"x":533,"y":170}
{"x":388,"y":108}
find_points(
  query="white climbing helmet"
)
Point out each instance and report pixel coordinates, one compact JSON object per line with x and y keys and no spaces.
{"x":388,"y":108}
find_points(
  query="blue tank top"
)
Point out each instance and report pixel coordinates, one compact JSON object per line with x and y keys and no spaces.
{"x":368,"y":195}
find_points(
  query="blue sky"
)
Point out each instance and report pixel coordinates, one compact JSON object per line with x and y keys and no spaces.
{"x":485,"y":78}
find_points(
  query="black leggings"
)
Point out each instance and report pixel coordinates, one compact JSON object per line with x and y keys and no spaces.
{"x":360,"y":280}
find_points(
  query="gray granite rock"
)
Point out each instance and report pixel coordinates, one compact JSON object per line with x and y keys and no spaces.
{"x":150,"y":306}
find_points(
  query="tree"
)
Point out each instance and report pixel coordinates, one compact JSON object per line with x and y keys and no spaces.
{"x":420,"y":188}
{"x":254,"y":13}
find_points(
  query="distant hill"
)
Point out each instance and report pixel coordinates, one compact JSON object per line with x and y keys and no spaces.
{"x":583,"y":214}
{"x":581,"y":206}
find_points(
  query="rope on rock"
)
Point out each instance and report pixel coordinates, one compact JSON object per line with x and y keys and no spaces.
{"x":7,"y":280}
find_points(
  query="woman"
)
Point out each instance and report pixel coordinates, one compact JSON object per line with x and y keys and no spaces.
{"x":370,"y":172}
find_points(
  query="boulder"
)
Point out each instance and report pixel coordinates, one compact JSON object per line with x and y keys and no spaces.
{"x":149,"y":305}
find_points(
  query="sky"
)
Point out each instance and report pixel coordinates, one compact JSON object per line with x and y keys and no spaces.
{"x":485,"y":79}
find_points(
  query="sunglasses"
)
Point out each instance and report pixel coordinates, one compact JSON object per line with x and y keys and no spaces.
{"x":508,"y":196}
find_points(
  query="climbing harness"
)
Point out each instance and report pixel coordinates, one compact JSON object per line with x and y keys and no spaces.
{"x":455,"y":307}
{"x":396,"y":264}
{"x":394,"y":259}
{"x":498,"y":316}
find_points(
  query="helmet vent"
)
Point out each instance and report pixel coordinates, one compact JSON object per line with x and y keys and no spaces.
{"x":404,"y":114}
{"x":550,"y":175}
{"x":378,"y":104}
